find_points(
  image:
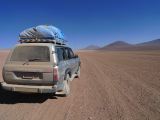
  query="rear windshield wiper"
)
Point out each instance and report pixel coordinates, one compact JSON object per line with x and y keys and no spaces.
{"x":37,"y":59}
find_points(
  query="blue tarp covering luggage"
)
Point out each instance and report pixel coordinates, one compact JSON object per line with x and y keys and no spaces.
{"x":42,"y":32}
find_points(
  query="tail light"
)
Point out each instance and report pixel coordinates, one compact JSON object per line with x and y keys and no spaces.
{"x":55,"y":73}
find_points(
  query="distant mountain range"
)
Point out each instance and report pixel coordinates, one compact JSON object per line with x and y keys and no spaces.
{"x":91,"y":47}
{"x":124,"y":46}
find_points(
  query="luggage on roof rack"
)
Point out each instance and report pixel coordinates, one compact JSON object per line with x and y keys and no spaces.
{"x":42,"y":34}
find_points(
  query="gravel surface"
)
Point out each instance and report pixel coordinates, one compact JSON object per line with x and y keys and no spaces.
{"x":112,"y":86}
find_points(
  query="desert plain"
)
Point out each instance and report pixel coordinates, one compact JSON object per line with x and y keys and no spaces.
{"x":113,"y":85}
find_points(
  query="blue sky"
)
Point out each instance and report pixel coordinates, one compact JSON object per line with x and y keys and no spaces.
{"x":83,"y":22}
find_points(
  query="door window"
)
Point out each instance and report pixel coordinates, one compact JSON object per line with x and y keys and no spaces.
{"x":69,"y":53}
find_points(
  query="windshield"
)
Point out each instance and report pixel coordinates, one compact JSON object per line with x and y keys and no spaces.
{"x":31,"y":53}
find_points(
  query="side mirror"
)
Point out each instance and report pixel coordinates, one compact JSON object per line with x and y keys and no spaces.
{"x":75,"y":56}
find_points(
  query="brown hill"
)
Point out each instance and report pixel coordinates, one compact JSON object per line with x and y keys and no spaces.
{"x":150,"y":43}
{"x":118,"y":45}
{"x":91,"y":47}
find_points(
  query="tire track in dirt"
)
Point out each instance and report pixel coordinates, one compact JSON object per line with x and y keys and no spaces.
{"x":115,"y":73}
{"x":154,"y":100}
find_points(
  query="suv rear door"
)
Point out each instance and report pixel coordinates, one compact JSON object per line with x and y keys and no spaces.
{"x":61,"y":59}
{"x":30,"y":65}
{"x":70,"y":59}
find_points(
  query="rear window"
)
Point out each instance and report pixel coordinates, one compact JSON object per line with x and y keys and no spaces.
{"x":31,"y":53}
{"x":60,"y":54}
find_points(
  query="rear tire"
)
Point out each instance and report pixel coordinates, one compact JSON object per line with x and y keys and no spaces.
{"x":66,"y":83}
{"x":79,"y":72}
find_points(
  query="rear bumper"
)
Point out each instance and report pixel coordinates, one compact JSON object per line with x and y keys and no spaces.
{"x":29,"y":88}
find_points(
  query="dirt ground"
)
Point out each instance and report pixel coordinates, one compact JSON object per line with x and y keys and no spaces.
{"x":113,"y":86}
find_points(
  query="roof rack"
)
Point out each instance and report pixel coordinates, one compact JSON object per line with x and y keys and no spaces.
{"x":42,"y":40}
